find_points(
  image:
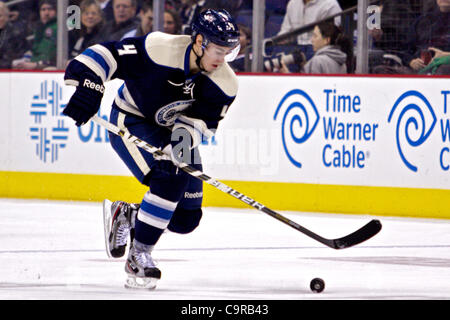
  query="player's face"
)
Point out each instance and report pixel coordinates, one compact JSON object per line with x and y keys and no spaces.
{"x":214,"y":56}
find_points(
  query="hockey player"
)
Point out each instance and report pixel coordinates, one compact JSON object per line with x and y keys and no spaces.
{"x":176,"y":90}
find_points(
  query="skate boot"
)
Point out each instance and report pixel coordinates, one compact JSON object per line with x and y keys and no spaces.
{"x":140,"y":267}
{"x":118,"y":219}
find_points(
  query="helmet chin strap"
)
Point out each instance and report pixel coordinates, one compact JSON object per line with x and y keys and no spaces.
{"x":197,"y":60}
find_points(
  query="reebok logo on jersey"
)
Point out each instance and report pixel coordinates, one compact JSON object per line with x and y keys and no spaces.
{"x":92,"y":85}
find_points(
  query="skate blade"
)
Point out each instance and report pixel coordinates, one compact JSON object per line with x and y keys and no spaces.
{"x":140,"y":283}
{"x":107,"y":224}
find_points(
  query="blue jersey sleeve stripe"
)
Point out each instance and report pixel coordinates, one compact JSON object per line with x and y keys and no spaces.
{"x":108,"y":56}
{"x":99,"y":59}
{"x":93,"y":65}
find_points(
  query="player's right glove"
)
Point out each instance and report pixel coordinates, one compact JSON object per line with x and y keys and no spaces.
{"x":86,"y":100}
{"x":173,"y":154}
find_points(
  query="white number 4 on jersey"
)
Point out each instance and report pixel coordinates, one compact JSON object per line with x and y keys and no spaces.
{"x":127,"y":49}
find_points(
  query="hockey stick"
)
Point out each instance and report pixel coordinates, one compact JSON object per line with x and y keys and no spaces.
{"x":360,"y":235}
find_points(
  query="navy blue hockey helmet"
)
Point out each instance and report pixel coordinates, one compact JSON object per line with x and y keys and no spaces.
{"x":216,"y":26}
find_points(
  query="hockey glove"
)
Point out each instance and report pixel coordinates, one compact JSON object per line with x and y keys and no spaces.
{"x":166,"y":164}
{"x":176,"y":152}
{"x":168,"y":155}
{"x":86,"y":100}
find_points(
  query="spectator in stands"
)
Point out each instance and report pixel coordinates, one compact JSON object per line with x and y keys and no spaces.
{"x":439,"y":65}
{"x":91,"y":24}
{"x":25,"y":15}
{"x":431,"y":30}
{"x":107,"y":8}
{"x":146,"y":25}
{"x":396,"y":19}
{"x":188,"y":12}
{"x":231,"y":6}
{"x":172,"y":22}
{"x":191,"y":8}
{"x":174,"y":5}
{"x":245,"y":38}
{"x":124,"y":21}
{"x":333,"y":51}
{"x":13,"y":43}
{"x":427,"y":5}
{"x":390,"y":40}
{"x":43,"y":51}
{"x":302,"y":12}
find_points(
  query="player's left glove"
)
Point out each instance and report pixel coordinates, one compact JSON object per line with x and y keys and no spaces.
{"x":169,"y":155}
{"x":174,"y":152}
{"x":187,"y":134}
{"x":177,"y":151}
{"x":86,"y":100}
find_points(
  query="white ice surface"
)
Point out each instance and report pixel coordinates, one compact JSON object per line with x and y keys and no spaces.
{"x":55,"y":250}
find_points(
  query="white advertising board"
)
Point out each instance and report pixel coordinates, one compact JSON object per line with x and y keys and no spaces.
{"x":325,"y":130}
{"x":336,"y":130}
{"x":41,"y":139}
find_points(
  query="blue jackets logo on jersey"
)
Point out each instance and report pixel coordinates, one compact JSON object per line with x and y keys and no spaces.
{"x":167,"y":115}
{"x":46,"y":110}
{"x":415,"y":122}
{"x":300,"y":119}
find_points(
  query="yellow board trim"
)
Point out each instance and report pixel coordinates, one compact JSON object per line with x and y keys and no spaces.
{"x":384,"y":201}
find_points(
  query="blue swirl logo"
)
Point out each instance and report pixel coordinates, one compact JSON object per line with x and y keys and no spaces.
{"x":414,"y":123}
{"x":300,"y":119}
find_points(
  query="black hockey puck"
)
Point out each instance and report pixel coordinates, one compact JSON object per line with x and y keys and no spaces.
{"x":317,"y":285}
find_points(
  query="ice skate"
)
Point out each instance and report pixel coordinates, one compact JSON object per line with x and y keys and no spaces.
{"x":140,"y":268}
{"x":118,"y":219}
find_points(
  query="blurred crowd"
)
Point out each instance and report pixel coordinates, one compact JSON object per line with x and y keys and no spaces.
{"x":413,"y":36}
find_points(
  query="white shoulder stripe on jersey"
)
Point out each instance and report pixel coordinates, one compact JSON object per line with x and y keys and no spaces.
{"x":93,"y":65}
{"x":109,"y":59}
{"x":125,"y":106}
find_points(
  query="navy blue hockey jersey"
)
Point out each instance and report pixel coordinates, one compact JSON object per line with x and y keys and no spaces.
{"x":158,"y":84}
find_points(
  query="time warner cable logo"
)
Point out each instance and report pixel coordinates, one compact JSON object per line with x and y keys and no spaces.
{"x":415,"y":122}
{"x":300,"y":119}
{"x":45,"y":109}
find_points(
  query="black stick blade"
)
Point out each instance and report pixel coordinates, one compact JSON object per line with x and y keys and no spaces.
{"x":360,"y":235}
